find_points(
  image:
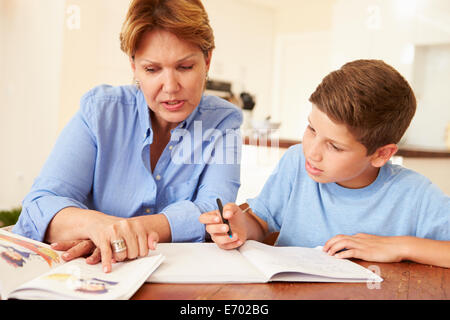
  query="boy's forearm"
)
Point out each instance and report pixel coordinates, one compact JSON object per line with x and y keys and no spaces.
{"x":257,"y":228}
{"x":427,"y":251}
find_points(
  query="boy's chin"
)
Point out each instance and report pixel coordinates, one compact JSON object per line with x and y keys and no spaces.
{"x":319,"y":178}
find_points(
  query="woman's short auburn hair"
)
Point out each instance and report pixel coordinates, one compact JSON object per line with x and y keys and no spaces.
{"x":371,"y":98}
{"x":187,"y":19}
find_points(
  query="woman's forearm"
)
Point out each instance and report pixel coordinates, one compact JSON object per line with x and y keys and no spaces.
{"x":157,"y":223}
{"x":74,"y":223}
{"x":70,"y":223}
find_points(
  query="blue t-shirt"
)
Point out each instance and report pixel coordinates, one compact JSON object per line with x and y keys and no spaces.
{"x":307,"y":213}
{"x":101,"y":161}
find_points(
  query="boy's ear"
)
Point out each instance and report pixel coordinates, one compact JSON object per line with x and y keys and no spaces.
{"x":383,"y":154}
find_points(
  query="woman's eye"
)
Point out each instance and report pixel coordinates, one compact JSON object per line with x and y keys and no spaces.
{"x":189,"y":67}
{"x":150,"y":70}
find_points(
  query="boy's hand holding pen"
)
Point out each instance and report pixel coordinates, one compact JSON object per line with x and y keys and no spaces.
{"x":225,"y":225}
{"x":219,"y":204}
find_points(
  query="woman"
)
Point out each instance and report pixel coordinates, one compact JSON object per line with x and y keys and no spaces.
{"x":138,"y":164}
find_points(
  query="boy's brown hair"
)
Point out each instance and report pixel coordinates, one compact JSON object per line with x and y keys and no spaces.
{"x":371,"y":98}
{"x":187,"y":19}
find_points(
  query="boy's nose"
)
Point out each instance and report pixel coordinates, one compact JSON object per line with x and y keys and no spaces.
{"x":314,"y":152}
{"x":316,"y":157}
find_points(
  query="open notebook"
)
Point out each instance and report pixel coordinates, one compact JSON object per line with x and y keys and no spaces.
{"x":254,"y":262}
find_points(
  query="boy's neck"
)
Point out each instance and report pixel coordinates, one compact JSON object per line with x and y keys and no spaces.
{"x":363,"y":181}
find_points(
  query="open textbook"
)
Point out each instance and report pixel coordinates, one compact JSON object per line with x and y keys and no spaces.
{"x":253,"y":262}
{"x":32,"y":270}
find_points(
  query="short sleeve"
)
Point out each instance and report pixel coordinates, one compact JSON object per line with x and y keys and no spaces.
{"x":434,"y":214}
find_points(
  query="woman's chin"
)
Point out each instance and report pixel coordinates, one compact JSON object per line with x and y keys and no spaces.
{"x":173,"y":116}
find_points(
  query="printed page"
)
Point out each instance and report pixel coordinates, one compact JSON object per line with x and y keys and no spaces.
{"x":78,"y":280}
{"x":203,"y":263}
{"x":279,"y":263}
{"x":22,"y":259}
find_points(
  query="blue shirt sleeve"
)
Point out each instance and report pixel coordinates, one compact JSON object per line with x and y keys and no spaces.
{"x":64,"y":181}
{"x":434,"y":213}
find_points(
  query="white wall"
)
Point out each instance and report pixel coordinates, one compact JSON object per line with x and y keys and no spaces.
{"x":435,"y":169}
{"x":244,"y":35}
{"x":302,"y":60}
{"x":91,"y":52}
{"x":31,"y":38}
{"x":391,"y":30}
{"x":394,"y":30}
{"x":431,"y":79}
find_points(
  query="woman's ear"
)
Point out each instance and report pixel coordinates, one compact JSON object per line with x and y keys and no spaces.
{"x":383,"y":154}
{"x":133,"y":65}
{"x":208,"y":60}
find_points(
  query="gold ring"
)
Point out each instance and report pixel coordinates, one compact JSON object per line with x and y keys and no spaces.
{"x":118,"y":245}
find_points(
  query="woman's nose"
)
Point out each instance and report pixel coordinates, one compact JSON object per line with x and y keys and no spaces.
{"x":170,"y":83}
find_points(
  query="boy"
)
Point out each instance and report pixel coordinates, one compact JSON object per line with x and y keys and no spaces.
{"x":338,"y":190}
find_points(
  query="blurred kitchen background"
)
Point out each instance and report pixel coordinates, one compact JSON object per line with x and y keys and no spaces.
{"x":269,"y":57}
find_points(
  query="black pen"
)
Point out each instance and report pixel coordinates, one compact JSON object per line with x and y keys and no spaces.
{"x":219,"y":204}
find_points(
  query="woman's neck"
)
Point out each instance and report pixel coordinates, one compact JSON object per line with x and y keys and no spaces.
{"x":160,"y":126}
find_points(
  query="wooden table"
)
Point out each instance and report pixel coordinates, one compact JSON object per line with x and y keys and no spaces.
{"x":402,"y":281}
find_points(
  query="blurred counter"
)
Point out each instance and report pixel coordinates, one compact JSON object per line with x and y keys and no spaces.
{"x":407,"y":151}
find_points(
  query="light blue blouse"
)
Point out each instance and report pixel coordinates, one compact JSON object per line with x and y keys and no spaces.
{"x":101,"y":161}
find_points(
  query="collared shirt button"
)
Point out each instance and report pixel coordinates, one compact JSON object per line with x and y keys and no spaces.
{"x":158,"y":177}
{"x":170,"y":147}
{"x":148,"y":210}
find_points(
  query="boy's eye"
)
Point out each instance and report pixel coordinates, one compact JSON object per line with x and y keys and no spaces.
{"x":335,"y":148}
{"x":311,"y":128}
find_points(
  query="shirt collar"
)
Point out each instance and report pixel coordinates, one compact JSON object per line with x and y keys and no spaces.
{"x":144,"y":115}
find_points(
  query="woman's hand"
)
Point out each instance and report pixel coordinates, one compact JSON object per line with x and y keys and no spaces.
{"x":71,"y":227}
{"x":78,"y":248}
{"x":103,"y":229}
{"x":218,"y":230}
{"x":366,"y":247}
{"x":138,"y":239}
